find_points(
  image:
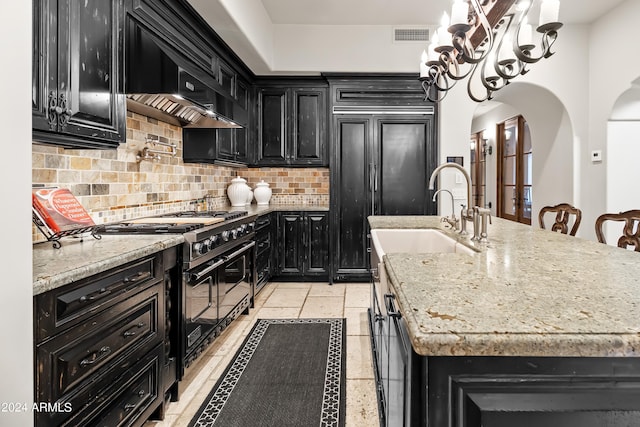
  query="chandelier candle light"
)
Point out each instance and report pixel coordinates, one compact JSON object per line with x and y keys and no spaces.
{"x":488,"y":41}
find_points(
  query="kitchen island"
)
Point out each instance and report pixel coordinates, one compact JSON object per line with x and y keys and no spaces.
{"x":535,"y":327}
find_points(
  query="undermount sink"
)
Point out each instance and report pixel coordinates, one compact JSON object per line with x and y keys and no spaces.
{"x":420,"y":240}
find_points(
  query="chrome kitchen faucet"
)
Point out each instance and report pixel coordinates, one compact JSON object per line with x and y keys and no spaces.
{"x":465,"y":214}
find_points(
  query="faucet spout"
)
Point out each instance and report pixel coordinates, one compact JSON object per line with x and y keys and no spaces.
{"x":452,"y":220}
{"x":445,"y":191}
{"x":467,"y":213}
{"x":437,"y":170}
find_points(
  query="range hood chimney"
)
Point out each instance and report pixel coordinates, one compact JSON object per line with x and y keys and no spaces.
{"x":162,"y":84}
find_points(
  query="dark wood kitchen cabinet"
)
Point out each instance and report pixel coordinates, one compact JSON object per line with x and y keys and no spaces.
{"x":102,"y":351}
{"x":495,"y":391}
{"x":222,"y":146}
{"x":77,"y":91}
{"x":265,"y":248}
{"x":292,"y":125}
{"x":303,"y":245}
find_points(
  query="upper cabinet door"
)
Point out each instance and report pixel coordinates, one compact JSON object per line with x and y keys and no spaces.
{"x":272,"y":134}
{"x":82,"y":48}
{"x":44,"y":90}
{"x":227,"y":79}
{"x":293,"y":126}
{"x":309,"y":127}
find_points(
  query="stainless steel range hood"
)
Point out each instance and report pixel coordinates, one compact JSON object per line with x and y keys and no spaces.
{"x":162,"y":84}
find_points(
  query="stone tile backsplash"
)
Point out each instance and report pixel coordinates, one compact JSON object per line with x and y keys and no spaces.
{"x":113,"y":185}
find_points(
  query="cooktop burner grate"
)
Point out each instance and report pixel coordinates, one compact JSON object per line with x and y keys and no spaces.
{"x":216,"y":214}
{"x":168,"y":227}
{"x":142,"y":228}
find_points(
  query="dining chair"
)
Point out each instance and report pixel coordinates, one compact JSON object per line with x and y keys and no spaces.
{"x":630,"y":231}
{"x":564,"y":214}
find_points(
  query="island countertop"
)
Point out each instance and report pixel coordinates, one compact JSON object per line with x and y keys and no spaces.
{"x":528,"y":292}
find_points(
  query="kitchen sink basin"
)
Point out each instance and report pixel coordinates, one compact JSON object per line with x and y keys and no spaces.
{"x":421,"y":240}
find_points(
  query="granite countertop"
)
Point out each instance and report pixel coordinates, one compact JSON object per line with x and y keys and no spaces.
{"x":528,"y":292}
{"x":76,"y":259}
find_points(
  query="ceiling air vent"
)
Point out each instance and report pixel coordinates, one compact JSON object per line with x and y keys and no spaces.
{"x":402,"y":35}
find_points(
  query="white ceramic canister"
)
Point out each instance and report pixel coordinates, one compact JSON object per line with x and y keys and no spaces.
{"x":262,"y":193}
{"x":237,"y":191}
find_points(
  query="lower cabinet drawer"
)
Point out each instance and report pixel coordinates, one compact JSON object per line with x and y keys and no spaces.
{"x":71,"y":358}
{"x":125,"y":395}
{"x":135,"y":398}
{"x":72,"y":305}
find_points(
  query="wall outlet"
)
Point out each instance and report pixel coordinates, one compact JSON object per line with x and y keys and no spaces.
{"x":596,"y":156}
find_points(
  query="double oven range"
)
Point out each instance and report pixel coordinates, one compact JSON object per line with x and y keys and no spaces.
{"x":216,"y":275}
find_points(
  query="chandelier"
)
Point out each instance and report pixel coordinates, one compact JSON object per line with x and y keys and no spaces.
{"x":488,"y":41}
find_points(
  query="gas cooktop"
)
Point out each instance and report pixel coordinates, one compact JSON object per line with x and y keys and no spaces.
{"x":171,"y":223}
{"x":227,"y":215}
{"x":146,"y":228}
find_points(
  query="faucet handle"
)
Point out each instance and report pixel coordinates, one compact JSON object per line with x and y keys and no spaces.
{"x":485,"y":213}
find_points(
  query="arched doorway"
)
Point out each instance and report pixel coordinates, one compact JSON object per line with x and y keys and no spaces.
{"x":553,"y":166}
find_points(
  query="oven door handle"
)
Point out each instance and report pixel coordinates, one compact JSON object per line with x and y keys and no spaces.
{"x":239,"y":251}
{"x":202,"y":273}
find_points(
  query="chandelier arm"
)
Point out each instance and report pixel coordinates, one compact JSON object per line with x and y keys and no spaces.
{"x":508,"y":68}
{"x":491,"y":82}
{"x":439,"y":79}
{"x":548,"y":39}
{"x":474,"y":98}
{"x":429,"y":92}
{"x":454,"y":70}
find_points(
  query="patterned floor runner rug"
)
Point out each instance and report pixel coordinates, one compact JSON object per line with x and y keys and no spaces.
{"x":288,"y":372}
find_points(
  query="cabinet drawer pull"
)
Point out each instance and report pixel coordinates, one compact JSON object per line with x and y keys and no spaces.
{"x":130,"y":332}
{"x":129,"y":407}
{"x":96,"y":356}
{"x":92,"y":297}
{"x":138,"y":277}
{"x":391,"y":310}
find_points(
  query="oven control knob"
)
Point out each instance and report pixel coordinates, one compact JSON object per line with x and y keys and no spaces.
{"x":234,"y":233}
{"x":213,"y":240}
{"x":225,"y":235}
{"x":242,"y":230}
{"x":197,"y":249}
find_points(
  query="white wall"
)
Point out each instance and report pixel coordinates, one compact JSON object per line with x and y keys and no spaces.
{"x":245,"y":26}
{"x":343,"y":48}
{"x":613,"y":65}
{"x":623,"y":173}
{"x":16,"y":327}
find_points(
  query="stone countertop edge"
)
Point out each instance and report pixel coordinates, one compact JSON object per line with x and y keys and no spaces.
{"x":255,"y":209}
{"x":78,"y":259}
{"x":585,"y":301}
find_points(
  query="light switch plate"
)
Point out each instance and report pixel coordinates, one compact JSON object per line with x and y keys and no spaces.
{"x":596,"y":156}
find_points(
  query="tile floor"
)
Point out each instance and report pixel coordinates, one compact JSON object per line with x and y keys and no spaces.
{"x":290,"y":300}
